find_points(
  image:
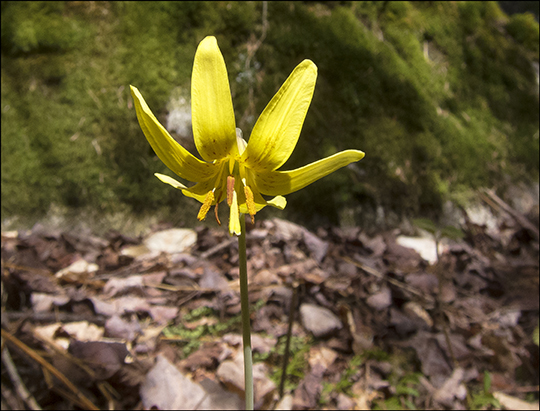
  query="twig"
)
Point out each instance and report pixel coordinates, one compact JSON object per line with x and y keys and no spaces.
{"x":217,"y":248}
{"x":53,"y":317}
{"x":397,"y":283}
{"x":519,"y":218}
{"x":36,"y":357}
{"x":21,"y":389}
{"x":292,"y":311}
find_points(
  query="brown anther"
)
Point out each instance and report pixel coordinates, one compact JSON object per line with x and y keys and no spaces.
{"x":230,"y":190}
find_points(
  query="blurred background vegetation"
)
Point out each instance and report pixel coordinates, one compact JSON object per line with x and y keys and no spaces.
{"x":441,"y":96}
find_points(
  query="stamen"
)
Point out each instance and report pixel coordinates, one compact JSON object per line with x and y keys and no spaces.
{"x":216,"y":213}
{"x":250,"y":203}
{"x":234,"y":217}
{"x":206,"y":205}
{"x":230,"y":190}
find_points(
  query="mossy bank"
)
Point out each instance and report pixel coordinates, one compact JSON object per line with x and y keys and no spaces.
{"x":441,"y":96}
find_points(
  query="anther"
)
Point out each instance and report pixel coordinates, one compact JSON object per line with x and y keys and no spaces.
{"x":250,"y":203}
{"x":206,"y":206}
{"x":230,"y":190}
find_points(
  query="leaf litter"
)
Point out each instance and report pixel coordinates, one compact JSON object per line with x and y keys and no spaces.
{"x":153,"y":323}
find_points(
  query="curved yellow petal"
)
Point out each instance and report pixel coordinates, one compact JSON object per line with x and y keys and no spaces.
{"x":286,"y":182}
{"x":200,"y":190}
{"x":277,"y":202}
{"x":276,"y":132}
{"x":212,"y":114}
{"x":171,"y":181}
{"x":176,"y":157}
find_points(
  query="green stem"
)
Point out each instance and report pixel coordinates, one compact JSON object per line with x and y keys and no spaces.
{"x":244,"y":303}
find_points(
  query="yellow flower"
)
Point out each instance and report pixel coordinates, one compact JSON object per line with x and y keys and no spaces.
{"x":232,"y":169}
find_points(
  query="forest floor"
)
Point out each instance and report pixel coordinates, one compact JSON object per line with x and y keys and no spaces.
{"x":116,"y":322}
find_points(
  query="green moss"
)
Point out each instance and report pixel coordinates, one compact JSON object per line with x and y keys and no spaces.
{"x":441,"y":96}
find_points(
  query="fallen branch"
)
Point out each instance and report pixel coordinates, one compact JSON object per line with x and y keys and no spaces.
{"x":518,"y":217}
{"x":85,"y":402}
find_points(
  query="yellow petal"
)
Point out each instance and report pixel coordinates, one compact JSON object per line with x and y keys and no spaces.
{"x":171,"y":181}
{"x":200,"y":190}
{"x":278,"y":202}
{"x":214,"y":127}
{"x":176,"y":157}
{"x":276,"y":132}
{"x":285,"y":182}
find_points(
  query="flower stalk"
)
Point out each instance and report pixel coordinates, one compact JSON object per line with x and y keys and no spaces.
{"x":244,"y":304}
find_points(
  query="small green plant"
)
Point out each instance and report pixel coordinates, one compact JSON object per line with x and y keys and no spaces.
{"x":482,"y":399}
{"x":345,"y":382}
{"x":297,"y":363}
{"x":406,"y":392}
{"x":191,"y":338}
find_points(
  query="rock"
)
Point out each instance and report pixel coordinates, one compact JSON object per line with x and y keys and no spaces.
{"x":317,"y":247}
{"x":166,"y":388}
{"x":175,"y":240}
{"x":422,"y":245}
{"x":321,"y":322}
{"x":286,"y":231}
{"x":231,"y":374}
{"x":451,"y":389}
{"x":213,"y":280}
{"x":380,"y":300}
{"x":285,"y":403}
{"x":344,"y":402}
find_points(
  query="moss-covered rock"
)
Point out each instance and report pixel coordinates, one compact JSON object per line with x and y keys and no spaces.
{"x":442,"y":97}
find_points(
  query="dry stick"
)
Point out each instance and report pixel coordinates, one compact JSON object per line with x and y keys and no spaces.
{"x":440,"y":304}
{"x":520,"y":219}
{"x":292,"y":311}
{"x":397,"y":283}
{"x":17,"y":382}
{"x":36,"y":357}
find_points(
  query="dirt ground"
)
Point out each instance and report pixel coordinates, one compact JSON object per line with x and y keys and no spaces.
{"x":154,"y":322}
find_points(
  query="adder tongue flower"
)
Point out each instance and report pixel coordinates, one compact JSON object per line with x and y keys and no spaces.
{"x":232,"y":170}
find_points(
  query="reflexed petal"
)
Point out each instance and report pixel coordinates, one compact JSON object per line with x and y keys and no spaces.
{"x":171,"y":181}
{"x":173,"y":155}
{"x":278,"y":202}
{"x":199,"y":191}
{"x":276,"y":132}
{"x":285,"y":182}
{"x":214,"y":127}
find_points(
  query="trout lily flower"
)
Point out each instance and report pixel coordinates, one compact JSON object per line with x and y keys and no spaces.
{"x":232,"y":170}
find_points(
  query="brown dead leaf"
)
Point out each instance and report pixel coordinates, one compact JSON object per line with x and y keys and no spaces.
{"x":104,"y":357}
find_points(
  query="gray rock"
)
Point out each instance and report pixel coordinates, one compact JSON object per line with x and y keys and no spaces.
{"x":320,"y":321}
{"x":317,"y":247}
{"x":175,"y":240}
{"x":380,"y":300}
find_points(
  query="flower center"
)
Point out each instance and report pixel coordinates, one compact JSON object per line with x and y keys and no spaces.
{"x":235,"y":189}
